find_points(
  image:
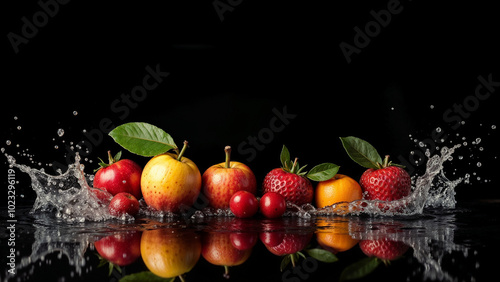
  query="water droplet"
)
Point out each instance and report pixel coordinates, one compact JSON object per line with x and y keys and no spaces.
{"x":481,"y":148}
{"x":479,"y":164}
{"x":493,"y":127}
{"x":412,"y":152}
{"x":124,"y":181}
{"x":465,"y":143}
{"x":421,"y":144}
{"x":2,"y":150}
{"x":60,"y":132}
{"x":18,"y":127}
{"x":75,"y":113}
{"x":438,"y":129}
{"x":478,"y":140}
{"x":392,"y":108}
{"x":432,"y":107}
{"x":427,"y":153}
{"x":15,"y":117}
{"x":8,"y":142}
{"x":56,"y":147}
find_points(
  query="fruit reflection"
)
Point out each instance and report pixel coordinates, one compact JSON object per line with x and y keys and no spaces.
{"x":168,"y":254}
{"x":281,"y":243}
{"x":218,"y":249}
{"x":334,"y":235}
{"x":120,"y":249}
{"x":384,"y":249}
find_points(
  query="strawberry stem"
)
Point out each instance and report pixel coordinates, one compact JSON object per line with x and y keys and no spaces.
{"x":386,"y":161}
{"x":228,"y":156}
{"x":294,"y":166}
{"x":179,"y":157}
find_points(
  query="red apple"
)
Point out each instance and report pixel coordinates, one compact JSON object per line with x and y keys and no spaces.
{"x":119,"y":176}
{"x":222,"y":180}
{"x":120,"y":249}
{"x":123,"y":203}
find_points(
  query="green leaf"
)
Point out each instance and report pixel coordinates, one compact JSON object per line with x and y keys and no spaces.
{"x":285,"y":262}
{"x":118,"y":156}
{"x":145,"y":276}
{"x":285,"y":157}
{"x":143,"y":139}
{"x":360,"y":269}
{"x":323,"y":172}
{"x":361,"y":152}
{"x":322,"y":255}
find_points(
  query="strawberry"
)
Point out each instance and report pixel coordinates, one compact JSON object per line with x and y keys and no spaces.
{"x":383,"y":180}
{"x":386,"y":184}
{"x":383,"y":248}
{"x":292,"y":183}
{"x":293,"y":187}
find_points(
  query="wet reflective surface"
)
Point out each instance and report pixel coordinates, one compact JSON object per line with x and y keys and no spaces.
{"x":440,"y":245}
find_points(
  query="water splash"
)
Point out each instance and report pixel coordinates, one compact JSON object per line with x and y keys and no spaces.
{"x":431,"y":190}
{"x":68,"y":194}
{"x":71,"y":198}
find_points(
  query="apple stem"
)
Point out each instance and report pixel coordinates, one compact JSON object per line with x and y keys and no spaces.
{"x":110,"y":158}
{"x":226,"y":272}
{"x":179,"y":157}
{"x":228,"y":156}
{"x":181,"y":278}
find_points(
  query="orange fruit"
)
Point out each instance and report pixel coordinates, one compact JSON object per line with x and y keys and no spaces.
{"x":340,"y":188}
{"x":334,"y":235}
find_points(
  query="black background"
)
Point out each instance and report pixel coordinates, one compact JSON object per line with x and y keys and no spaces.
{"x":226,"y":77}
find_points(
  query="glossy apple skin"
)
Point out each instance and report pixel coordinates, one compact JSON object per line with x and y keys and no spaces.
{"x":120,"y":249}
{"x":123,"y":203}
{"x":220,"y":183}
{"x":170,"y":185}
{"x":122,"y":176}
